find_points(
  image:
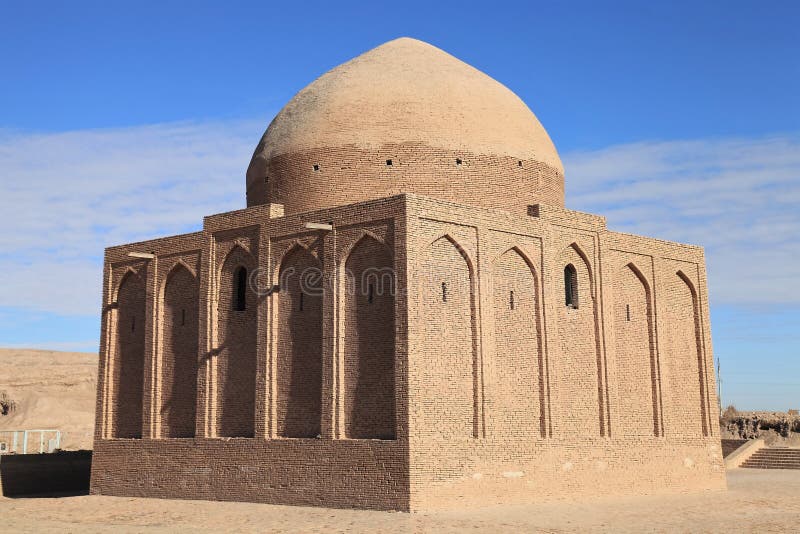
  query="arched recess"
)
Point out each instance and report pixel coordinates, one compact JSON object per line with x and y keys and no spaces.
{"x":236,"y":349}
{"x":638,"y":374}
{"x":369,"y":392}
{"x":179,"y":353}
{"x":688,"y":415}
{"x":518,"y":398}
{"x":299,"y":357}
{"x":449,"y":375}
{"x":578,"y":377}
{"x":128,"y":379}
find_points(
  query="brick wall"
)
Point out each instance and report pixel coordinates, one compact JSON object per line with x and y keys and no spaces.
{"x":369,"y":403}
{"x":445,"y":389}
{"x":130,"y":349}
{"x":482,"y":180}
{"x":179,"y":349}
{"x":633,"y":318}
{"x":486,"y":403}
{"x":519,"y":385}
{"x":299,"y":369}
{"x":235,"y":355}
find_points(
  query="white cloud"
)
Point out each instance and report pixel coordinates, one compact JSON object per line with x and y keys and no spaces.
{"x":738,"y":198}
{"x":67,"y":196}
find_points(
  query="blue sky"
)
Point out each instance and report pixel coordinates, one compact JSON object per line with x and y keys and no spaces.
{"x":679,"y":120}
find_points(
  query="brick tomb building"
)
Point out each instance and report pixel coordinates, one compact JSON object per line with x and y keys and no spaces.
{"x":404,"y":317}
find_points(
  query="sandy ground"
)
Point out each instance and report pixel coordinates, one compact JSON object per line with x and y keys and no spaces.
{"x":757,"y":501}
{"x":52,"y":390}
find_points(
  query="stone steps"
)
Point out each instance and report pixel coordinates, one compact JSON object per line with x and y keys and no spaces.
{"x":774,"y":459}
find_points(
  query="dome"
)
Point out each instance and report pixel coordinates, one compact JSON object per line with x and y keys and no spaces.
{"x":405,"y":117}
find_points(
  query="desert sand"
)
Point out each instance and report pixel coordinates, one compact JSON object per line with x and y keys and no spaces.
{"x":50,"y":390}
{"x":757,"y":500}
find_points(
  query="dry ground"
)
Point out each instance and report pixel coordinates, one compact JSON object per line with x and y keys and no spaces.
{"x":53,"y":390}
{"x":757,"y":501}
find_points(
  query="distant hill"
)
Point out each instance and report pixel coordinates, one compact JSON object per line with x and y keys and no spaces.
{"x":49,"y":389}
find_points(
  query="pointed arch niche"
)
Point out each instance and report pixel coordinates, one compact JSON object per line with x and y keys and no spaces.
{"x":638,"y":375}
{"x":179,"y":353}
{"x":236,"y":348}
{"x":369,"y":349}
{"x":579,"y":397}
{"x":449,"y":372}
{"x":519,"y":395}
{"x":689,"y":410}
{"x":299,"y":355}
{"x":129,"y":355}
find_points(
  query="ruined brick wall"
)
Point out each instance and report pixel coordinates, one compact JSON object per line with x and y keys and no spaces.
{"x":179,"y":324}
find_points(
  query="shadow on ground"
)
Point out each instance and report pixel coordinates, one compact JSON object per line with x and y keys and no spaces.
{"x":63,"y":473}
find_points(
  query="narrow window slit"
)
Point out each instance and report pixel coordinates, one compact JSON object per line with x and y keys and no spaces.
{"x":628,"y":312}
{"x":444,"y":291}
{"x":240,"y":289}
{"x":302,"y":295}
{"x":571,"y":286}
{"x":371,"y":293}
{"x":511,"y":299}
{"x":183,"y":317}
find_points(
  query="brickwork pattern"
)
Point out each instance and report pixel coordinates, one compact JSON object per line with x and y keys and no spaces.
{"x":519,"y":371}
{"x":129,"y":369}
{"x":485,"y":397}
{"x":369,"y":402}
{"x":483,"y":180}
{"x":446,"y":401}
{"x":633,"y":317}
{"x":580,"y":373}
{"x":299,"y":372}
{"x":179,"y":348}
{"x":235,"y":356}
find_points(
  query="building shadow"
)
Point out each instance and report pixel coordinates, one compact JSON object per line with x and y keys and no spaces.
{"x":58,"y":474}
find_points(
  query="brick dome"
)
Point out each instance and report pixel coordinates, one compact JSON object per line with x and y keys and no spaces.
{"x":405,"y":117}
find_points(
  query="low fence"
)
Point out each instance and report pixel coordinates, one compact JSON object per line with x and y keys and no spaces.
{"x":29,"y":441}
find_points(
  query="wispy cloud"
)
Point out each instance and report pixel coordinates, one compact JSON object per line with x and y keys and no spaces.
{"x":67,"y":196}
{"x":738,"y":198}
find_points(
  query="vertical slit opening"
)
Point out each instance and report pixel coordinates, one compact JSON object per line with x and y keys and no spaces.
{"x":240,"y":289}
{"x":571,"y":286}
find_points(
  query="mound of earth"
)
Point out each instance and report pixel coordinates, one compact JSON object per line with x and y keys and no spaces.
{"x":42,"y":389}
